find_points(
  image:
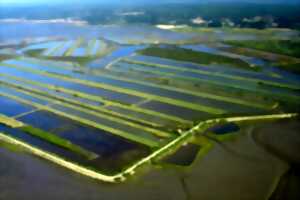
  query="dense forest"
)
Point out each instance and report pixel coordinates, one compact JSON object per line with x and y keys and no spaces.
{"x":210,"y":15}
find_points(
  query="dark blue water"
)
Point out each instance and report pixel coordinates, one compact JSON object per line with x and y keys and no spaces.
{"x":10,"y":107}
{"x":11,"y":91}
{"x":178,"y":111}
{"x":225,"y":128}
{"x":164,"y":123}
{"x":40,"y":143}
{"x":33,"y":119}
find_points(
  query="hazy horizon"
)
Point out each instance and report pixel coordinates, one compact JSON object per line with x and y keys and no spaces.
{"x":120,"y":2}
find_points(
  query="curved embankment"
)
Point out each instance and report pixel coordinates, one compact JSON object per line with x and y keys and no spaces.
{"x":168,"y":148}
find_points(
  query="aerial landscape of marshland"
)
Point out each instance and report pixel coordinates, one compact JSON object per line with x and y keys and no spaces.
{"x":141,"y":103}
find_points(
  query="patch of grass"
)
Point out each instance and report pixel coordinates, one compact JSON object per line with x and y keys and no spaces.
{"x":58,"y":141}
{"x":189,"y":55}
{"x":11,"y":122}
{"x":284,"y":47}
{"x":10,"y":147}
{"x":80,"y":60}
{"x":34,"y":52}
{"x":6,"y":57}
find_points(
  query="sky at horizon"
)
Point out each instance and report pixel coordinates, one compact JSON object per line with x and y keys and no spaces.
{"x":135,"y":1}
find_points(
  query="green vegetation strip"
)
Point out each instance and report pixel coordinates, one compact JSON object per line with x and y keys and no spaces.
{"x":129,"y":136}
{"x":189,"y":55}
{"x":97,"y":99}
{"x":54,"y":50}
{"x":105,"y":116}
{"x":162,"y":99}
{"x":175,"y":81}
{"x":6,"y":57}
{"x":193,"y":79}
{"x":105,"y":49}
{"x":165,"y":150}
{"x":284,"y":47}
{"x":219,"y":74}
{"x":10,"y":122}
{"x":58,"y":64}
{"x":58,"y":141}
{"x":44,"y":95}
{"x":75,"y":45}
{"x":199,"y":94}
{"x":90,"y":47}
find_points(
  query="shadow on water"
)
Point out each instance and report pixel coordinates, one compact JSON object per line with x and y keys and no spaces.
{"x":224,"y":129}
{"x":183,"y":156}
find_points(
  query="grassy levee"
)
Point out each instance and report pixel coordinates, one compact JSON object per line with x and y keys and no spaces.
{"x":190,"y":55}
{"x":34,"y":52}
{"x":58,"y":141}
{"x":223,"y":84}
{"x":60,"y":64}
{"x":121,"y":133}
{"x":194,"y":93}
{"x":176,"y":89}
{"x":6,"y":57}
{"x":189,"y":85}
{"x":153,"y":131}
{"x":167,"y":100}
{"x":284,"y":47}
{"x":90,"y":47}
{"x":121,"y":121}
{"x":49,"y":137}
{"x":105,"y":45}
{"x":241,"y":87}
{"x":54,"y":50}
{"x":292,"y":97}
{"x":204,"y":72}
{"x":98,"y":99}
{"x":44,"y":95}
{"x":10,"y":122}
{"x":73,"y":47}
